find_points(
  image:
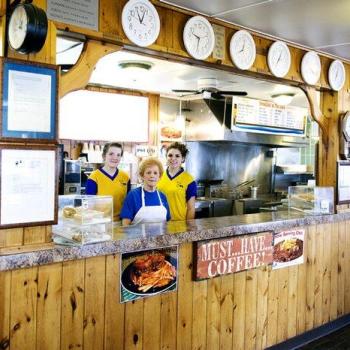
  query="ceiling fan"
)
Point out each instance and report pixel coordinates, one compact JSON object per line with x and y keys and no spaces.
{"x":209,"y":88}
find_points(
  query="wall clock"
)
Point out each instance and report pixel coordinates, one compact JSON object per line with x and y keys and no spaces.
{"x":198,"y":37}
{"x":336,"y":75}
{"x":27,"y":29}
{"x":140,"y":22}
{"x":311,"y":68}
{"x":278,"y":59}
{"x":242,"y":49}
{"x":345,"y":125}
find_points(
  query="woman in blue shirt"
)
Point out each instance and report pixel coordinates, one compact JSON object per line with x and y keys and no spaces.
{"x":145,"y":203}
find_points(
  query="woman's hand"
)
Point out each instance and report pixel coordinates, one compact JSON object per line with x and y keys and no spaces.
{"x":126,"y":222}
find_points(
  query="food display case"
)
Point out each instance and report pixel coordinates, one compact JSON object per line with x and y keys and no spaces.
{"x":83,"y":219}
{"x":311,"y":200}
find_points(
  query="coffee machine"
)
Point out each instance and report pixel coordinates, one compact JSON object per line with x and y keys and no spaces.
{"x":72,"y":176}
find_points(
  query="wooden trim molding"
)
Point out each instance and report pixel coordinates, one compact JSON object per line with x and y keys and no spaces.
{"x":78,"y":77}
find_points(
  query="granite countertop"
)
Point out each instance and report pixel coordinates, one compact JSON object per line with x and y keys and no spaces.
{"x":148,"y":236}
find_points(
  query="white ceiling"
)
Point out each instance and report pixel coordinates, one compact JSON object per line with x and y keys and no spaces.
{"x":164,"y":76}
{"x":322,"y":25}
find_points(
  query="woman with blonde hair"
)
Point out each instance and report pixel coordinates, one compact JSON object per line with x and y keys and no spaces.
{"x":146,"y":203}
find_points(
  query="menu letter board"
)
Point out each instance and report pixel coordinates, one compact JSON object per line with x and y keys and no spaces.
{"x":229,"y":255}
{"x":265,"y":116}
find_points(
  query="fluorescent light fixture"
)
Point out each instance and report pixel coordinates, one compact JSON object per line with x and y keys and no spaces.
{"x":283,"y":99}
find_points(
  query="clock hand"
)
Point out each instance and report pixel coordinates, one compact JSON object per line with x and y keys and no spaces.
{"x":279,"y":58}
{"x":143,"y":16}
{"x":138,"y":15}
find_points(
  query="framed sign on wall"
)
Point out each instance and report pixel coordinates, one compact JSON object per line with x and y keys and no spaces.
{"x":28,"y":185}
{"x":29,"y":101}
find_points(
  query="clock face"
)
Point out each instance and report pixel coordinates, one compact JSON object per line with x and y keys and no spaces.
{"x":336,"y":75}
{"x":199,"y":38}
{"x":17,"y":27}
{"x":346,"y":126}
{"x":27,"y":28}
{"x":242,"y":49}
{"x":278,"y":59}
{"x":140,"y":21}
{"x":311,"y":68}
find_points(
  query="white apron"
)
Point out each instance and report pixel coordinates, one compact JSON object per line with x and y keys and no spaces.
{"x":151,"y":213}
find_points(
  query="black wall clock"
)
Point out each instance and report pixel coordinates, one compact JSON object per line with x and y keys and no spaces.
{"x":27,"y":29}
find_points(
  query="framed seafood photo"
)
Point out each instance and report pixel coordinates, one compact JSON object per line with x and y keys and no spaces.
{"x":148,"y":272}
{"x":288,"y":248}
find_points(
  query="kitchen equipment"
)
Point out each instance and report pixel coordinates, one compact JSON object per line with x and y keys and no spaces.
{"x":212,"y":207}
{"x":254,"y":191}
{"x":248,"y":206}
{"x":72,"y":176}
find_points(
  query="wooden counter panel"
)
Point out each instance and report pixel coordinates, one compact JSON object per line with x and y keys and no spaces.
{"x":76,"y":305}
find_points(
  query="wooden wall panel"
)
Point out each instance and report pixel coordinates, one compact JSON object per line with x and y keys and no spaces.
{"x":226,"y":312}
{"x":94,"y":303}
{"x":213,"y":313}
{"x":49,"y":306}
{"x":75,"y":304}
{"x":5,"y":302}
{"x":73,"y":295}
{"x":23,"y":308}
{"x":199,"y":315}
{"x":114,"y":311}
{"x":310,"y":280}
{"x":238,"y":310}
{"x":185,"y":293}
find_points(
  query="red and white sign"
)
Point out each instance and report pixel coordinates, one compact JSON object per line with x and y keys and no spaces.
{"x":288,"y":248}
{"x":230,"y":255}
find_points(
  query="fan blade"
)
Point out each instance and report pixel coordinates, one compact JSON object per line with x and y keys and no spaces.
{"x":186,"y":91}
{"x":233,"y":93}
{"x":216,"y":96}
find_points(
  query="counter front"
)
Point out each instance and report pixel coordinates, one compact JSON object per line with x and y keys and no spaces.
{"x":69,"y":297}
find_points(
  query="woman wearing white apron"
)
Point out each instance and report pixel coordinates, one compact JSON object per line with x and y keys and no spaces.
{"x":146,"y":204}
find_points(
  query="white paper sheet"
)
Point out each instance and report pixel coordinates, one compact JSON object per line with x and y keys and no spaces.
{"x":29,"y":101}
{"x":27,"y":186}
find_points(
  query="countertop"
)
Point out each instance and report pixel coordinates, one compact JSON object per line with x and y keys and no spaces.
{"x":148,"y":236}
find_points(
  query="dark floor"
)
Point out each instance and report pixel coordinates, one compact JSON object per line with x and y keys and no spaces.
{"x":339,"y":340}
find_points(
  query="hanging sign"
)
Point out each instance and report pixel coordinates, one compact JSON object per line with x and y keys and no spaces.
{"x":147,"y":273}
{"x":267,"y":117}
{"x":229,"y":255}
{"x":288,"y":248}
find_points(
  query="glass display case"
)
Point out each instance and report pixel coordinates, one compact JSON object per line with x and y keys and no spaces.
{"x":83,"y":219}
{"x":311,"y":200}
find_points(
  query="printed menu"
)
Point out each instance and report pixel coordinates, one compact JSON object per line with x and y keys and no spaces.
{"x":250,"y":112}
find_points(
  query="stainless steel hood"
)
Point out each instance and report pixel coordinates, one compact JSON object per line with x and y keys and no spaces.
{"x":210,"y":120}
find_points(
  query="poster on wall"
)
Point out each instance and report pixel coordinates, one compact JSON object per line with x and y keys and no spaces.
{"x":28,"y":186}
{"x":148,"y":272}
{"x":288,"y":248}
{"x":29,"y":105}
{"x":219,"y":257}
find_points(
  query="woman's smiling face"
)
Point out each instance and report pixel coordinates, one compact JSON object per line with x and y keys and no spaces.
{"x":151,"y":177}
{"x":113,"y":157}
{"x":174,"y":158}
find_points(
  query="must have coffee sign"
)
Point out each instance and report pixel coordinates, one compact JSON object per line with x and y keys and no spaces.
{"x":229,"y":255}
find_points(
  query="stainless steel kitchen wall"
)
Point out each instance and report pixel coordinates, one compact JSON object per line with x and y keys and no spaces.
{"x":232,"y":162}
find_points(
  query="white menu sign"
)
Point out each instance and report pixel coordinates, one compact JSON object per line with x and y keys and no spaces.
{"x":27,"y":186}
{"x":81,"y":13}
{"x":252,"y":112}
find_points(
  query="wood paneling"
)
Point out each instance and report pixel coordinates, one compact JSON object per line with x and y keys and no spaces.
{"x":75,"y":304}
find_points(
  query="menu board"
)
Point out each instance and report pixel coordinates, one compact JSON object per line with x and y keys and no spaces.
{"x":267,"y":116}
